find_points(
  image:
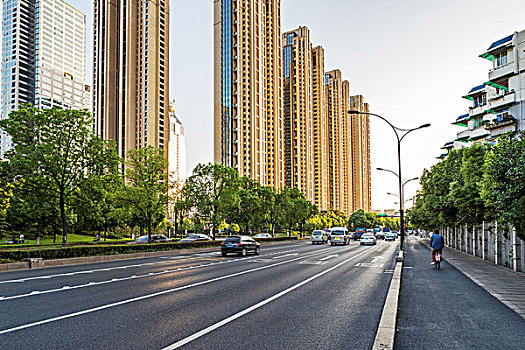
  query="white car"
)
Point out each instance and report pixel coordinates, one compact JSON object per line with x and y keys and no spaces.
{"x":195,"y":237}
{"x":319,"y":236}
{"x":368,"y":238}
{"x":339,"y":235}
{"x":263,"y":235}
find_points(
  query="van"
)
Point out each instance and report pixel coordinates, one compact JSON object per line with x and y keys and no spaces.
{"x":339,"y":235}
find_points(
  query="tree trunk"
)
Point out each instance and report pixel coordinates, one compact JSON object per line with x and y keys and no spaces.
{"x":38,"y":230}
{"x":105,"y":232}
{"x":55,"y":230}
{"x":149,"y":230}
{"x":64,"y":219}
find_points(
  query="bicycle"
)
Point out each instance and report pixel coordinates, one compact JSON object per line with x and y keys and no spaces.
{"x":437,"y":260}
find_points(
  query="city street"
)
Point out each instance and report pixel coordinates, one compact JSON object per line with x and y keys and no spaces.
{"x":292,"y":296}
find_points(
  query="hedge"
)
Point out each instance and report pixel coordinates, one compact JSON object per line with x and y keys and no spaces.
{"x":80,"y":251}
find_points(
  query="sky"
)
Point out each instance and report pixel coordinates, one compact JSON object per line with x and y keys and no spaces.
{"x":412,"y":60}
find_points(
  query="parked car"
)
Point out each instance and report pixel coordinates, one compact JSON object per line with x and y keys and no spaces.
{"x":154,"y":239}
{"x":196,"y":237}
{"x":240,"y":245}
{"x":339,"y":235}
{"x":368,"y":238}
{"x":390,"y":236}
{"x":319,"y":236}
{"x":263,"y":235}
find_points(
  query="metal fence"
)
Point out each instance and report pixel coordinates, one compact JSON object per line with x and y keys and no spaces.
{"x":488,"y":241}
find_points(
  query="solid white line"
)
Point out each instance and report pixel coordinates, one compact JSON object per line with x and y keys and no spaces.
{"x":258,"y":305}
{"x":113,"y":268}
{"x":149,"y":296}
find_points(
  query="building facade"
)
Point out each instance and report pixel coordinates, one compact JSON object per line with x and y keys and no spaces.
{"x":248,"y":118}
{"x":347,"y":201}
{"x":333,"y":111}
{"x":498,"y":105}
{"x":177,"y":148}
{"x":298,"y":117}
{"x":43,"y":51}
{"x":361,"y":164}
{"x":131,"y":72}
{"x":320,"y":131}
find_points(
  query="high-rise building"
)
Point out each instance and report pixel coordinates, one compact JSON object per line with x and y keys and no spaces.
{"x":131,"y":72}
{"x":298,"y":117}
{"x":346,"y":146}
{"x":361,"y":166}
{"x":319,"y":133}
{"x":177,"y":147}
{"x":333,"y":111}
{"x":43,"y":57}
{"x":248,"y":122}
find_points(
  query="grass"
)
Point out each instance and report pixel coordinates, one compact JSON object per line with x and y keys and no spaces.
{"x":48,"y":241}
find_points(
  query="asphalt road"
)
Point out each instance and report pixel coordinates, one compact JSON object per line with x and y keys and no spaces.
{"x":444,"y":309}
{"x":293,"y":296}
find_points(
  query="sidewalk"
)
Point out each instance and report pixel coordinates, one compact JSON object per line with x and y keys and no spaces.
{"x":444,"y":309}
{"x":502,"y":283}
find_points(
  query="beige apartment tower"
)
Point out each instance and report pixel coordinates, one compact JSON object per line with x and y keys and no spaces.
{"x":248,"y":119}
{"x":131,"y":72}
{"x":333,"y":111}
{"x":320,"y":131}
{"x":298,"y":118}
{"x":346,"y":145}
{"x":361,"y":166}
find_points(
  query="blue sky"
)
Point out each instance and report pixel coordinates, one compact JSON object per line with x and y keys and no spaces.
{"x":411,"y":59}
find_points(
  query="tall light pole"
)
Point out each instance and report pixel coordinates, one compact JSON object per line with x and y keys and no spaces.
{"x":404,"y":132}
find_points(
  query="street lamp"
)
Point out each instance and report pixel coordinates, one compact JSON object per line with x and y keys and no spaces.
{"x":399,"y":139}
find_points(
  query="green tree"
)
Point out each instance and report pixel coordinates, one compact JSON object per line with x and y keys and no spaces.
{"x":503,"y":185}
{"x":52,"y":150}
{"x":146,"y":189}
{"x":212,"y":191}
{"x":466,"y":191}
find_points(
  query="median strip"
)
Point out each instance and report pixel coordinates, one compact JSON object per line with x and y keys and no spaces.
{"x":387,"y":326}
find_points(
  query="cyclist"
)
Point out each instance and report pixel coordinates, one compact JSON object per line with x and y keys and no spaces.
{"x":436,"y":245}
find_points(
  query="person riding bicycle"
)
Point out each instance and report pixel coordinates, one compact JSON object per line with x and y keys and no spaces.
{"x":436,"y":245}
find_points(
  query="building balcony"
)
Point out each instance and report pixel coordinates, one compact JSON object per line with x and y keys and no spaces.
{"x":502,"y":71}
{"x":507,"y":124}
{"x":503,"y":100}
{"x":479,"y":110}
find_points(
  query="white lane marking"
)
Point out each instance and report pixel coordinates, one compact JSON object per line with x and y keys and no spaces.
{"x":149,"y":296}
{"x":329,"y":257}
{"x":376,"y":259}
{"x":285,"y":255}
{"x":369,"y":265}
{"x":113,"y":280}
{"x":258,"y":305}
{"x":21,"y":280}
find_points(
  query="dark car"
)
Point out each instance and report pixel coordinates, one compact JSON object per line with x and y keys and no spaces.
{"x":358,"y":233}
{"x":154,"y":239}
{"x":240,"y":245}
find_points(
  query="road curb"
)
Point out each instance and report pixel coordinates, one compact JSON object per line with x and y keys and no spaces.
{"x":26,"y":265}
{"x":387,"y":326}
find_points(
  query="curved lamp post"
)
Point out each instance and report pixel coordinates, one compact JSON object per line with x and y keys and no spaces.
{"x":400,"y":135}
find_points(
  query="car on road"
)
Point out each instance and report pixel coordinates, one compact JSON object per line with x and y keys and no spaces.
{"x":263,"y":235}
{"x":380,"y":235}
{"x":196,"y":237}
{"x":240,"y":245}
{"x":368,"y":238}
{"x":390,"y":236}
{"x":339,"y":235}
{"x":154,"y":239}
{"x":319,"y":236}
{"x":358,"y":233}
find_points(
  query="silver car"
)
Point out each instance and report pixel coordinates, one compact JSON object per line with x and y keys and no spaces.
{"x":339,"y":235}
{"x":319,"y":236}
